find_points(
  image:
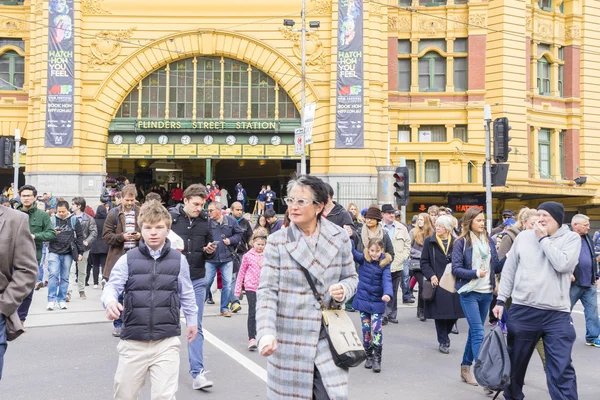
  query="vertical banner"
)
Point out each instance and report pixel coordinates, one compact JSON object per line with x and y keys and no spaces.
{"x":61,"y":75}
{"x":349,"y":125}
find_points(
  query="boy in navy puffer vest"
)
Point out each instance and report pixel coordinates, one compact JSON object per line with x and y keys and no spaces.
{"x":155,"y":282}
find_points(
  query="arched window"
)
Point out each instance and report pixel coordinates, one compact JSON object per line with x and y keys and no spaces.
{"x":12,"y":71}
{"x":196,"y":89}
{"x":432,"y":73}
{"x":543,"y":79}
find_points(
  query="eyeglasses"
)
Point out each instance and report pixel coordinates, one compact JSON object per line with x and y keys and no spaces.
{"x":290,"y":201}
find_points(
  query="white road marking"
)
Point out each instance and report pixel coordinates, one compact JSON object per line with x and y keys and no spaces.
{"x":236,"y":355}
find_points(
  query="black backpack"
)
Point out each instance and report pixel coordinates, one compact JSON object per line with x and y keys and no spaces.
{"x":492,"y":366}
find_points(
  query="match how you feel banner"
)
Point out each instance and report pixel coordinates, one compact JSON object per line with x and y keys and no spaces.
{"x":61,"y":75}
{"x":349,"y":126}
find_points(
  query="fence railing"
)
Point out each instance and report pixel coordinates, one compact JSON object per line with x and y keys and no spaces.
{"x":361,"y":194}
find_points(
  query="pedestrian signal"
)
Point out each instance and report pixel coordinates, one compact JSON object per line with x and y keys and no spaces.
{"x":401,"y":192}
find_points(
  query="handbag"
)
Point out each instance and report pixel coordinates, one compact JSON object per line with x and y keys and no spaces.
{"x":414,"y":265}
{"x":448,"y":279}
{"x":428,"y":290}
{"x":345,"y":344}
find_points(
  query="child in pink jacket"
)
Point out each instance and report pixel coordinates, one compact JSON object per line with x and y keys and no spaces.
{"x":249,"y":276}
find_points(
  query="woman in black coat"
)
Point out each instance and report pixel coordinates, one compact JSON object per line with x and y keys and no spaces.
{"x":99,"y":249}
{"x":445,"y":307}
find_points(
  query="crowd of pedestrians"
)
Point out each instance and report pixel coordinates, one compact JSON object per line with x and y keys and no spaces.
{"x":153,"y":261}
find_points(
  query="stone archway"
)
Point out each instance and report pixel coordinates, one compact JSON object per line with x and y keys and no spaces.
{"x":139,"y":64}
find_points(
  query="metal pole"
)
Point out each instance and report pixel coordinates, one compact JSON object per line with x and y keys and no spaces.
{"x":303,"y":101}
{"x":403,"y":208}
{"x":488,"y":167}
{"x":16,"y":164}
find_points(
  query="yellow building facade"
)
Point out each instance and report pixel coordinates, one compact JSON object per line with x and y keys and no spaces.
{"x":205,"y":90}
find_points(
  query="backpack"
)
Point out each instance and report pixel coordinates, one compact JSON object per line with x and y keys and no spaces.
{"x":492,"y":366}
{"x":73,"y":222}
{"x":596,"y":242}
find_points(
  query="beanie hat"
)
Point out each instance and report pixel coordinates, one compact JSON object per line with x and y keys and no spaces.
{"x":374,"y":213}
{"x":556,"y":210}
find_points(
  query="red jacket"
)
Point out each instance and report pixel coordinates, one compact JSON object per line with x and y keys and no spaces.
{"x":177,"y":194}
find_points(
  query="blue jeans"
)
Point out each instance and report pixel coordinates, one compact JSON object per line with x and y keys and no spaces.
{"x":2,"y":342}
{"x":476,"y":307}
{"x":406,"y":292}
{"x":59,"y":266}
{"x":589,"y":299}
{"x":41,"y":266}
{"x":196,"y":348}
{"x":226,"y":275}
{"x":117,"y":323}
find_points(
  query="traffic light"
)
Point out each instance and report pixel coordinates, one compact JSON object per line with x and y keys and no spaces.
{"x":499,"y":174}
{"x":401,"y":186}
{"x":501,"y":139}
{"x":6,"y":152}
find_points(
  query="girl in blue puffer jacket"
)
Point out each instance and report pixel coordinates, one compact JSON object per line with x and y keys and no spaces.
{"x":373,"y":292}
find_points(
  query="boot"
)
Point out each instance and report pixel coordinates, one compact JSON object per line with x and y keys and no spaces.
{"x":377,"y":360}
{"x":421,"y":314}
{"x":369,"y":361}
{"x":465,"y":375}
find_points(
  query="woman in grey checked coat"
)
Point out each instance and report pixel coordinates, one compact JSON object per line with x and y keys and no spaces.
{"x":288,"y":316}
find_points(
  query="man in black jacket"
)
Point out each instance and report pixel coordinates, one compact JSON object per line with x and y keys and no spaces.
{"x":228,"y":235}
{"x":584,"y":281}
{"x":191,"y":223}
{"x":237,"y":212}
{"x":61,"y":252}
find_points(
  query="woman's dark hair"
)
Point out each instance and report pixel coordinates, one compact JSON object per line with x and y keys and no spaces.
{"x":316,"y":186}
{"x":467,"y":220}
{"x":267,"y":227}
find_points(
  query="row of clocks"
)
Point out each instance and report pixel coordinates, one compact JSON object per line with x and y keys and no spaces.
{"x":208,"y":140}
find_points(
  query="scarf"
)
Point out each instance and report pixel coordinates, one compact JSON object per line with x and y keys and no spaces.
{"x":441,"y":243}
{"x":367,"y":235}
{"x":481,"y":259}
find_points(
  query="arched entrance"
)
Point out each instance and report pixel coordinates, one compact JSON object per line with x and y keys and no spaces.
{"x":218,"y":117}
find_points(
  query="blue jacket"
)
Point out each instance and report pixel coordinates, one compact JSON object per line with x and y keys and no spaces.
{"x":228,"y":229}
{"x":462,"y":261}
{"x":373,"y":282}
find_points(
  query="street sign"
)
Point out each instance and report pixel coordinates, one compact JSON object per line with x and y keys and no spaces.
{"x":299,"y":141}
{"x":308,"y":118}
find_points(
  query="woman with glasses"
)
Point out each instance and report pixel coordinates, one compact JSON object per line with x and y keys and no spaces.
{"x":288,"y":316}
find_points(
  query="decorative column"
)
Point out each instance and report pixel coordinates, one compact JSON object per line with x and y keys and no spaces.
{"x":534,"y":152}
{"x":555,"y":154}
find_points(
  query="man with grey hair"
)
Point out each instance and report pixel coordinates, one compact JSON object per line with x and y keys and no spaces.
{"x":227,"y":235}
{"x":584,"y":281}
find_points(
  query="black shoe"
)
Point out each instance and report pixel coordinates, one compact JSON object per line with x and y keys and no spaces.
{"x":385,"y":321}
{"x":369,"y":361}
{"x":210,"y":301}
{"x":393,"y":320}
{"x":455,"y":329}
{"x":377,"y":359}
{"x":444,"y":349}
{"x":408,"y":301}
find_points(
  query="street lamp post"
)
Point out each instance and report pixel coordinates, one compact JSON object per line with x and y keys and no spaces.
{"x":313,"y":24}
{"x":16,"y":163}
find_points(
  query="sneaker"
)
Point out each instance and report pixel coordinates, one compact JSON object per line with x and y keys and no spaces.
{"x":210,"y":301}
{"x":200,"y":382}
{"x":82,"y":295}
{"x":252,"y":345}
{"x":68,"y":297}
{"x":595,"y":343}
{"x":226,"y":313}
{"x":51,"y":305}
{"x":39,"y":285}
{"x":103,"y":283}
{"x":95,"y":286}
{"x":116,"y":331}
{"x":408,"y":301}
{"x":62,"y":305}
{"x":235,"y":307}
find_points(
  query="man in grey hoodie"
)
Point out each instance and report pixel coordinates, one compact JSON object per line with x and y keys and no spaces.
{"x":537,"y":275}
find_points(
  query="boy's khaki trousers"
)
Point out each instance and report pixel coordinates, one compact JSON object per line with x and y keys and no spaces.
{"x":137,"y":358}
